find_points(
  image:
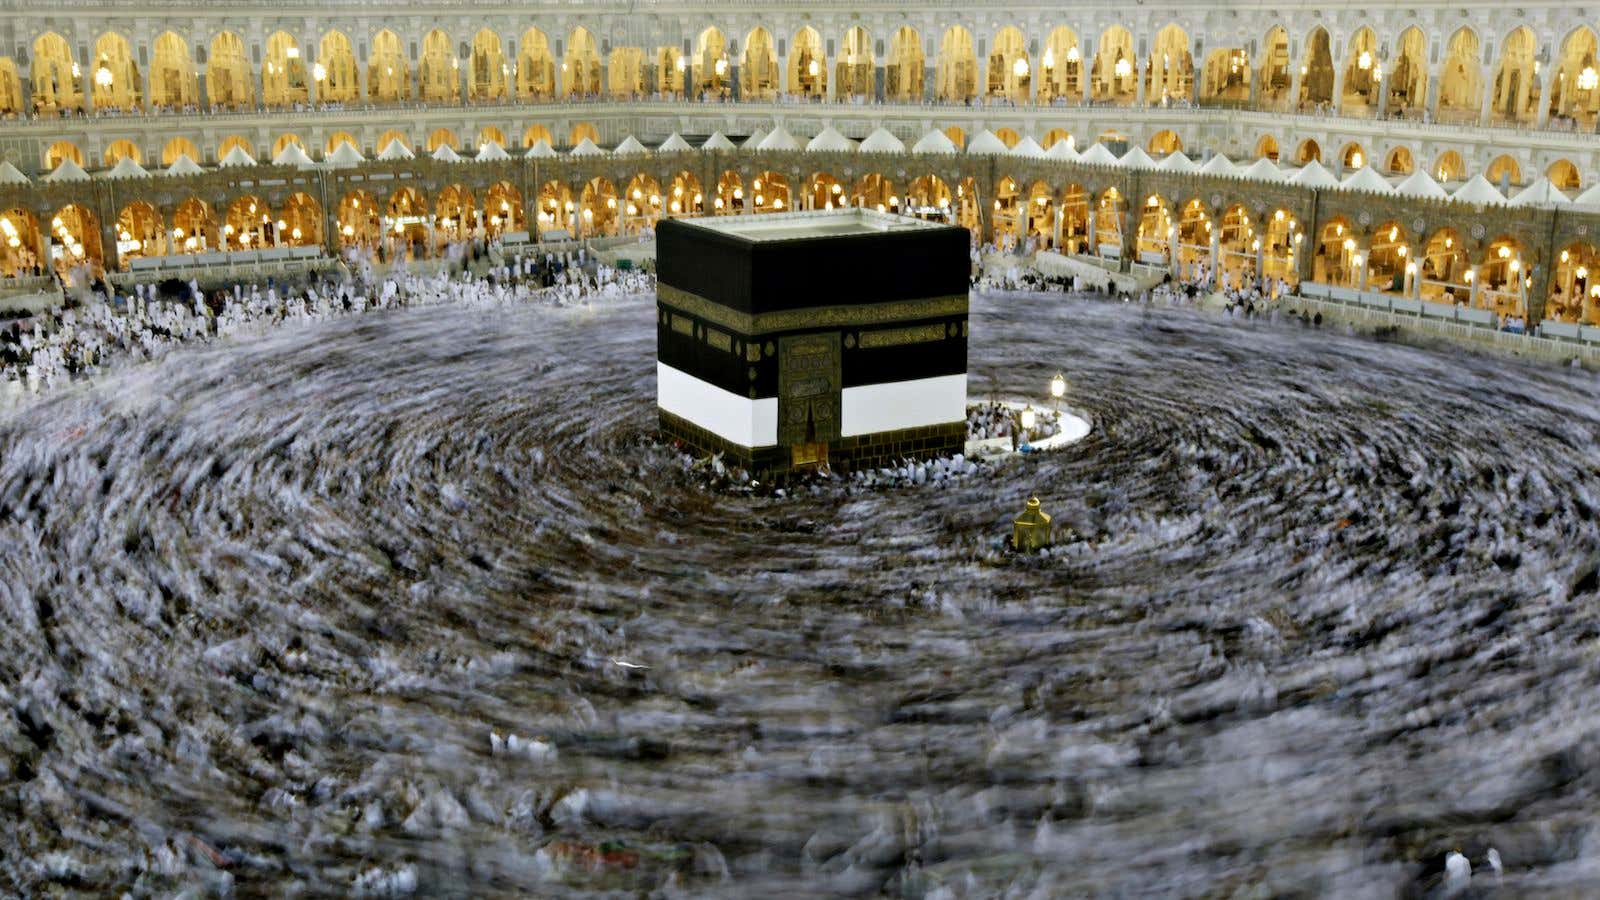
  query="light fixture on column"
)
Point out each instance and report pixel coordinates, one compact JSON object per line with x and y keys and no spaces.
{"x":1020,"y":68}
{"x":103,"y":77}
{"x":319,"y":72}
{"x":1588,"y":79}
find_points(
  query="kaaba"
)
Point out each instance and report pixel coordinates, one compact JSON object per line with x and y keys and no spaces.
{"x":825,"y":338}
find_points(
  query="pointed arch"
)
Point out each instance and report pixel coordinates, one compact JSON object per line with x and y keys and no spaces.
{"x":1171,"y":68}
{"x":10,"y":88}
{"x":1362,"y":69}
{"x":808,"y":64}
{"x":1460,"y":85}
{"x":235,"y":140}
{"x":1226,"y":77}
{"x":1406,"y":77}
{"x":57,"y":80}
{"x":903,"y":71}
{"x":1575,"y":95}
{"x":1274,"y":79}
{"x":710,"y":65}
{"x":179,"y":146}
{"x":1009,"y":73}
{"x":536,"y":67}
{"x":335,"y":72}
{"x":1116,"y":69}
{"x":580,"y":67}
{"x":1564,"y":175}
{"x":118,"y":150}
{"x":1514,"y":93}
{"x":758,"y":70}
{"x":388,"y":72}
{"x":956,"y":78}
{"x":283,"y":75}
{"x":173,"y":83}
{"x":1061,"y":67}
{"x":230,"y":83}
{"x":1316,"y":70}
{"x":437,"y":71}
{"x":140,"y":233}
{"x":489,"y":71}
{"x":853,"y":69}
{"x":61,"y":151}
{"x":115,"y":75}
{"x":625,"y":75}
{"x":194,"y":226}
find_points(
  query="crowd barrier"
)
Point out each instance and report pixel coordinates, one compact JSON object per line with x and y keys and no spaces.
{"x":1406,"y":306}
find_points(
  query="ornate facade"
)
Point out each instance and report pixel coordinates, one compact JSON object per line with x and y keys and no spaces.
{"x":1512,"y":94}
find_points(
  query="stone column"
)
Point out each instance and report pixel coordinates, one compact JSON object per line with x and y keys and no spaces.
{"x":1216,"y":258}
{"x":1542,"y":114}
{"x":1092,"y":239}
{"x":1383,"y":93}
{"x":1487,"y":104}
{"x":1139,"y":76}
{"x":1430,"y":103}
{"x":1337,"y":101}
{"x":1473,"y":300}
{"x":1294,"y":84}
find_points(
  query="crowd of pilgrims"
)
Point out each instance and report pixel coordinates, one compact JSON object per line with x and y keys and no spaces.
{"x":101,"y":325}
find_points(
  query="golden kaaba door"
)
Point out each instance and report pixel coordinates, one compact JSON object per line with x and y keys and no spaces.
{"x":809,"y":392}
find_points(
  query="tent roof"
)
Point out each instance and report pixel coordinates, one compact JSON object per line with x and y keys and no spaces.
{"x":753,"y":142}
{"x":829,"y":140}
{"x":127,"y":168}
{"x":1314,"y":175}
{"x":1262,"y":169}
{"x":1540,"y":193}
{"x":674,"y":144}
{"x":10,"y":174}
{"x":1367,"y":178}
{"x":68,"y":171}
{"x":292,"y":155}
{"x":1137,"y":159}
{"x":1219,"y":164}
{"x":1421,"y":184}
{"x":1177,"y":162}
{"x":1028,"y":147}
{"x":541,"y":149}
{"x":985,"y":143}
{"x":446,"y":153}
{"x":1591,"y":197}
{"x":396,"y":150}
{"x":881,"y":141}
{"x":630,"y":146}
{"x":344,"y":155}
{"x":1478,"y":191}
{"x":1062,"y":149}
{"x":1098,"y":155}
{"x":717,"y":141}
{"x":935,"y":141}
{"x":586,"y":147}
{"x":236,"y":157}
{"x":778,"y":138}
